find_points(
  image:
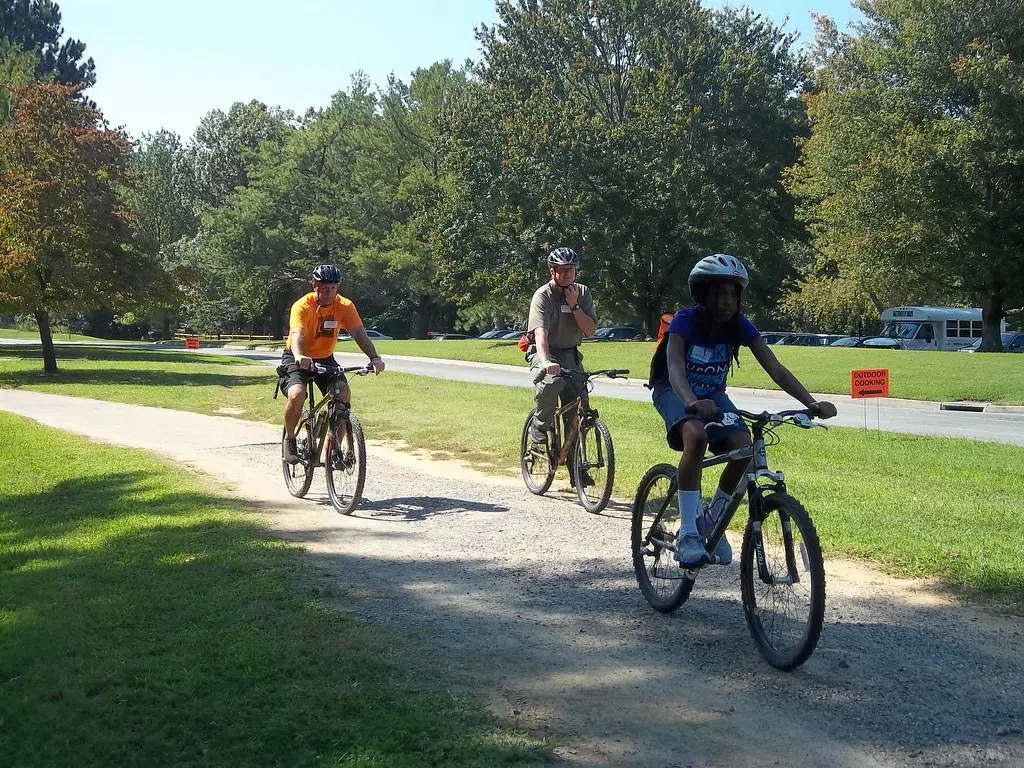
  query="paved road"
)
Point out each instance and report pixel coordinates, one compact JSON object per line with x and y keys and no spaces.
{"x":891,"y":416}
{"x":911,"y":418}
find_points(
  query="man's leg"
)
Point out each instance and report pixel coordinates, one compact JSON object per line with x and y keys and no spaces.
{"x":690,"y":550}
{"x":730,"y":479}
{"x":292,"y":413}
{"x":546,"y":389}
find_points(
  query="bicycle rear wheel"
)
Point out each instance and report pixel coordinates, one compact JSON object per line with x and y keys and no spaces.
{"x":345,"y":464}
{"x":782,"y":577}
{"x":655,"y":524}
{"x":593,"y":465}
{"x":535,"y":462}
{"x":298,"y":477}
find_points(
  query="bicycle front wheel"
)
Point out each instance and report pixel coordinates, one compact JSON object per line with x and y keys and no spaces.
{"x":535,"y":462}
{"x":345,"y":464}
{"x":593,"y":468}
{"x":782,"y":577}
{"x":298,"y":477}
{"x":655,"y":525}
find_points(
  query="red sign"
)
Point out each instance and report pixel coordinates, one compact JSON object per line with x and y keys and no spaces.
{"x":192,"y":342}
{"x":869,"y":383}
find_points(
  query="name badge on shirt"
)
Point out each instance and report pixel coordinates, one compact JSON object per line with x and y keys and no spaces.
{"x":701,"y":354}
{"x":330,"y":325}
{"x":564,"y":309}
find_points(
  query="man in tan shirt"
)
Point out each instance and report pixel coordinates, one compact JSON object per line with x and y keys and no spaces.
{"x":561,"y":315}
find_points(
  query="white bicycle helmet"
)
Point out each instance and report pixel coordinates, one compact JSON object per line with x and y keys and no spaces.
{"x":719,"y":266}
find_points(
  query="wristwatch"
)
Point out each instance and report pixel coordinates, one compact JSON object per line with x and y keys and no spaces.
{"x":574,"y":308}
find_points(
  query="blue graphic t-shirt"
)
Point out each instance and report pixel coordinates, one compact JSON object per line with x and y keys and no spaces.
{"x":708,"y":356}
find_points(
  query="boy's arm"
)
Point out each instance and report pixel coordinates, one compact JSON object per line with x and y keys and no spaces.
{"x":675,"y":360}
{"x":782,"y":376}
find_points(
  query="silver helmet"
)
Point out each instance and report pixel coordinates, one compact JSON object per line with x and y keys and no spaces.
{"x":718,"y":267}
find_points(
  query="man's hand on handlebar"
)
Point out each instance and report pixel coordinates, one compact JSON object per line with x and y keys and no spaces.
{"x":823,"y":409}
{"x":706,"y":409}
{"x":304,"y":362}
{"x":378,"y":364}
{"x":551,"y":368}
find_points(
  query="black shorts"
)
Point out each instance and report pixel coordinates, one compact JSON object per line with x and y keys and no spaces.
{"x":290,"y":374}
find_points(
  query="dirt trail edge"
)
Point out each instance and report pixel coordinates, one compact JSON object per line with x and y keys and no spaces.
{"x":536,"y":599}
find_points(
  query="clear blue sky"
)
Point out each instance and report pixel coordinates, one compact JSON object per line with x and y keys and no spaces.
{"x":166,"y":63}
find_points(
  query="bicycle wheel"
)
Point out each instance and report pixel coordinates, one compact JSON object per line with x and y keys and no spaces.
{"x":299,"y":476}
{"x":345,"y":464}
{"x":593,"y":465}
{"x":655,"y":524}
{"x":784,"y":604}
{"x":535,"y":461}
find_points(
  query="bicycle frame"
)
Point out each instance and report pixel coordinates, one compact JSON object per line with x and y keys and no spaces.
{"x":754,"y":489}
{"x":333,"y":403}
{"x":582,"y":406}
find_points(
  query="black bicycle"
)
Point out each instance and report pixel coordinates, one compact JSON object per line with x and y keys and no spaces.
{"x":331,"y":424}
{"x":782,"y":574}
{"x":592,"y":464}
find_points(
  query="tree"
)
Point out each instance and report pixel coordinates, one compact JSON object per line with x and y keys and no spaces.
{"x":164,"y":205}
{"x":34,"y":26}
{"x":644,"y":133}
{"x":408,"y":157}
{"x":915,"y":165}
{"x":66,"y":241}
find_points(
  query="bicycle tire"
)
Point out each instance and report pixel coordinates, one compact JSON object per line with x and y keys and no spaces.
{"x":664,"y":584}
{"x":298,"y":477}
{"x":530,"y":458}
{"x":807,"y":561}
{"x":601,"y":458}
{"x":349,"y":466}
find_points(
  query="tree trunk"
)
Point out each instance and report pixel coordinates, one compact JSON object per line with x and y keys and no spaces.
{"x":276,"y":324}
{"x":167,"y":324}
{"x":421,"y":319}
{"x":46,"y":337}
{"x":992,"y":315}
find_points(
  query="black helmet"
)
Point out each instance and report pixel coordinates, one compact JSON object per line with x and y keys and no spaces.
{"x":563,"y":257}
{"x":327,"y":273}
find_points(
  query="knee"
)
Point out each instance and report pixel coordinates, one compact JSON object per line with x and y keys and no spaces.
{"x":695,"y":438}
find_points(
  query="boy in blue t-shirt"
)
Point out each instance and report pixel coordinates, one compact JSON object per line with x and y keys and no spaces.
{"x":688,"y":376}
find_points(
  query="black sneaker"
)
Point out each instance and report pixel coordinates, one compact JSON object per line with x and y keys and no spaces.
{"x":291,"y":451}
{"x":588,"y":481}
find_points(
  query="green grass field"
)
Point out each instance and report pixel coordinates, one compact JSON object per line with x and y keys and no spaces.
{"x":917,"y":505}
{"x":146,"y":619}
{"x":935,"y":376}
{"x":13,"y":333}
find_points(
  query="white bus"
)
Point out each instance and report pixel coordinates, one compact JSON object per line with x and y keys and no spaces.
{"x":941,"y":328}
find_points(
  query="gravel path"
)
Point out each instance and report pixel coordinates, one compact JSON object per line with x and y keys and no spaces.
{"x":536,"y":600}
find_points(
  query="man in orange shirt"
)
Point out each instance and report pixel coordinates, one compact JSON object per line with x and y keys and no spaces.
{"x":316,"y":319}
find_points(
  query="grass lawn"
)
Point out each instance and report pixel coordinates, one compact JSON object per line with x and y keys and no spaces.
{"x":935,"y":376}
{"x":917,"y":505}
{"x":145,"y":619}
{"x":13,"y":333}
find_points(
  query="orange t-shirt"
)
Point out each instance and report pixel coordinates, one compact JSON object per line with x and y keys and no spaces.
{"x":322,"y":324}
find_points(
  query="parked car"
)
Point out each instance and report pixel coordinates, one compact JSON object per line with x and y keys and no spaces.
{"x":875,"y":342}
{"x":1013,"y":341}
{"x":809,"y":339}
{"x":375,"y":335}
{"x":615,"y":333}
{"x":511,"y":334}
{"x":495,"y":334}
{"x":773,"y":337}
{"x":451,"y":336}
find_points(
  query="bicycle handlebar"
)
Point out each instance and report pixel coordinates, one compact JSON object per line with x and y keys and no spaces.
{"x":765,"y":417}
{"x":334,"y":370}
{"x":611,"y":373}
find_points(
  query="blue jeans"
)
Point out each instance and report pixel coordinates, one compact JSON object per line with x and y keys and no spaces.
{"x":674,"y":413}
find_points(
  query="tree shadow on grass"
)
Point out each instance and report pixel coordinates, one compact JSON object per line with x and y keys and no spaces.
{"x":146,"y":620}
{"x":117,"y":354}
